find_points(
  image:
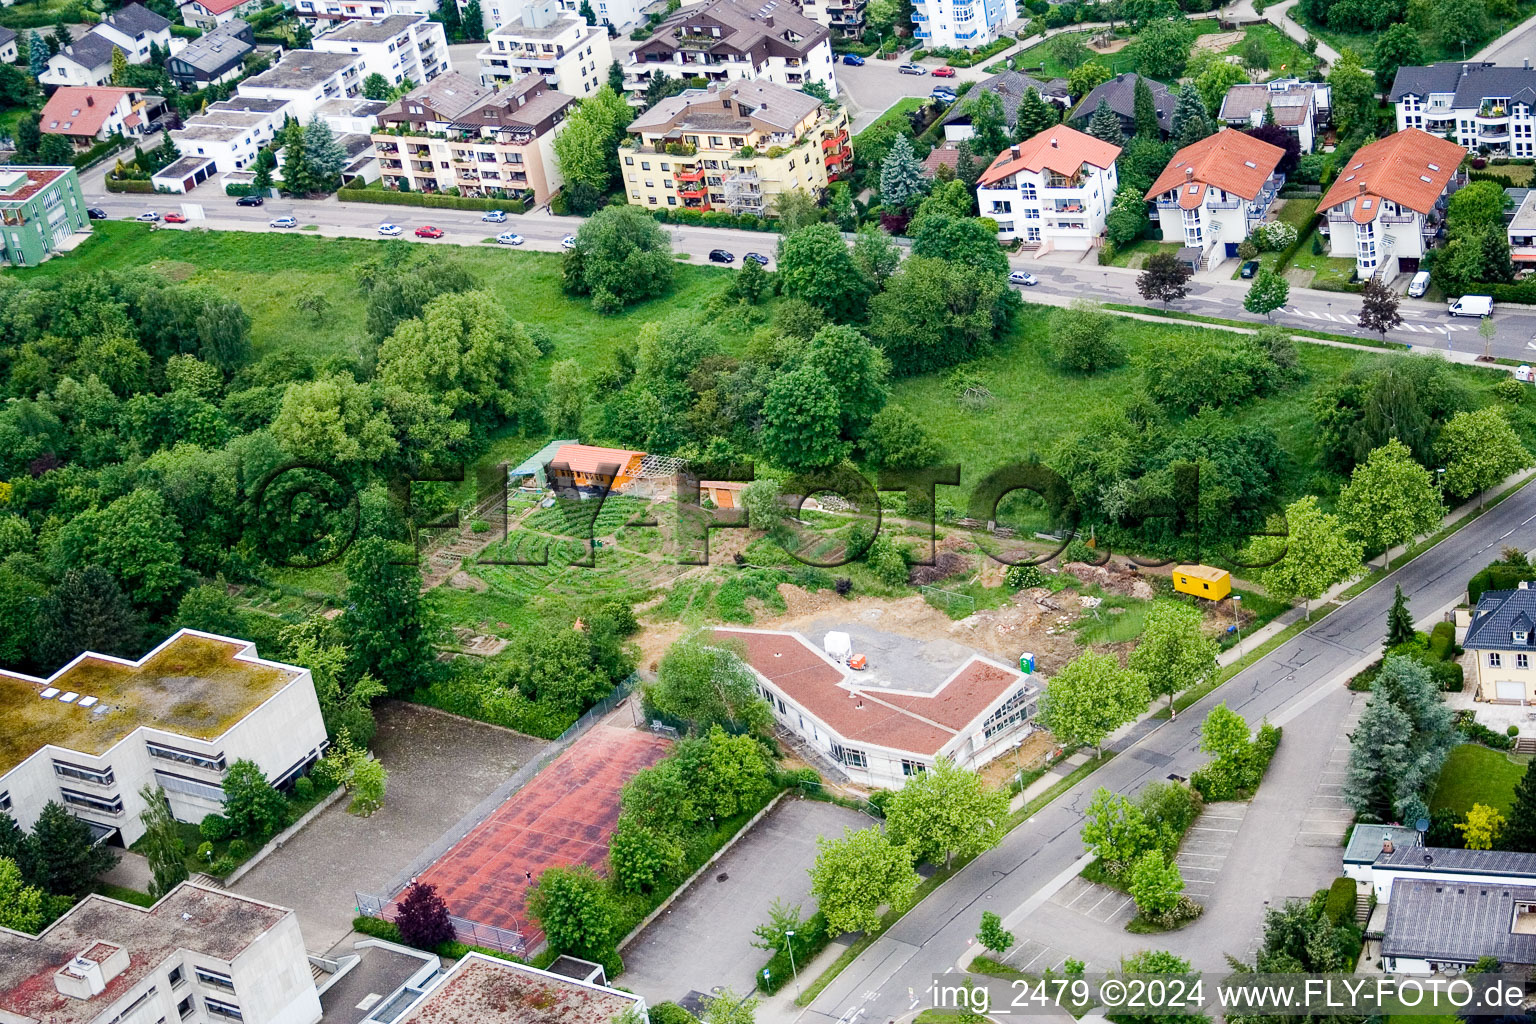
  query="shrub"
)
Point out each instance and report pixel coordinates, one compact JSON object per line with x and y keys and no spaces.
{"x":1275,"y":237}
{"x":303,"y":789}
{"x":204,"y":852}
{"x":1512,"y":731}
{"x":1449,"y":677}
{"x":1476,"y":732}
{"x":1340,"y":907}
{"x":1078,"y":551}
{"x":239,"y":849}
{"x":1022,"y":577}
{"x":221,"y":867}
{"x":216,"y":828}
{"x":386,"y":930}
{"x":1442,"y":641}
{"x":670,"y":1013}
{"x":810,"y":938}
{"x":434,"y":201}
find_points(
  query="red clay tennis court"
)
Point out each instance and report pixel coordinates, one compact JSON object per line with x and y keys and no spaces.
{"x":563,"y":817}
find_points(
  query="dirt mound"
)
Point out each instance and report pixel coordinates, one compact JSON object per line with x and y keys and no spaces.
{"x":1112,"y":577}
{"x":947,"y":564}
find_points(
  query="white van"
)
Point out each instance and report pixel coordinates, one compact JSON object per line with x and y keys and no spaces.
{"x":1419,"y":285}
{"x":1471,"y":305}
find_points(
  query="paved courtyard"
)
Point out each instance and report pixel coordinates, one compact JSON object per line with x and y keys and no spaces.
{"x":439,"y":767}
{"x":705,"y":939}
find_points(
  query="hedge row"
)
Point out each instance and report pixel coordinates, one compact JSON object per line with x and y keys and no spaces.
{"x":241,"y":190}
{"x":970,"y":58}
{"x":1340,"y":908}
{"x":1499,"y":576}
{"x":1289,"y":252}
{"x":717,"y":219}
{"x":129,"y":185}
{"x":433,"y":201}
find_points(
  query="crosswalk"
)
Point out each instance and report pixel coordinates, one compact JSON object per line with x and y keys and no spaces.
{"x":1344,"y":318}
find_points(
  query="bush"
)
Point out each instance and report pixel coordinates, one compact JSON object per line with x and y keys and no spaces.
{"x":1476,"y":732}
{"x":1078,"y":551}
{"x":1275,"y":237}
{"x":434,"y":201}
{"x":129,"y":185}
{"x":810,"y":939}
{"x":1449,"y":676}
{"x":1499,"y":576}
{"x":1512,"y":731}
{"x":204,"y":852}
{"x":239,"y":849}
{"x":1340,"y":907}
{"x":386,"y":930}
{"x":1022,"y":577}
{"x":670,"y":1013}
{"x":303,"y":789}
{"x":216,"y":828}
{"x":222,"y":867}
{"x":1442,"y":641}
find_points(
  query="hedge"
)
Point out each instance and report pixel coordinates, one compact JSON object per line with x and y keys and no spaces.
{"x":186,"y":31}
{"x":970,"y":58}
{"x":242,"y":190}
{"x":717,"y":219}
{"x":1498,"y":576}
{"x":435,"y":201}
{"x":1340,"y":907}
{"x":129,"y":185}
{"x":109,"y":145}
{"x":810,"y":938}
{"x":1442,"y":641}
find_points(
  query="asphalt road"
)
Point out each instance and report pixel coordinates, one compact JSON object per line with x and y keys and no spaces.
{"x":888,"y":981}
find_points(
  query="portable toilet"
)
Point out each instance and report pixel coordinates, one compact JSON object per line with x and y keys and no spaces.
{"x":1026,"y":663}
{"x":1205,"y":581}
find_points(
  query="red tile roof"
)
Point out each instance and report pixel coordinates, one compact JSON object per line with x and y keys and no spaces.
{"x":1411,"y":168}
{"x":79,"y":109}
{"x":586,"y":458}
{"x":1228,"y":160}
{"x":1060,"y":149}
{"x":219,"y":6}
{"x":903,"y":721}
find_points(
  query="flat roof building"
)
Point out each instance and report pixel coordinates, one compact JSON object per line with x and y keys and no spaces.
{"x":41,"y":210}
{"x":481,"y":989}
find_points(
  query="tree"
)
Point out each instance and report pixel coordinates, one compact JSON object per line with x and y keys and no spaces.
{"x":161,"y":843}
{"x":253,"y":807}
{"x":1092,"y":697}
{"x":1378,"y":308}
{"x":1156,"y":885}
{"x":568,"y":392}
{"x":795,"y":209}
{"x":1190,"y":121}
{"x":729,"y":1008}
{"x":937,"y":312}
{"x":1255,"y":55}
{"x":423,"y":918}
{"x":1161,"y":48}
{"x":588,"y":154}
{"x":1390,"y":499}
{"x":1520,"y":832}
{"x":209,"y":608}
{"x":325,"y":156}
{"x":1314,"y":554}
{"x":37,"y":54}
{"x":901,"y":176}
{"x":1069,"y":50}
{"x":1378,"y":756}
{"x":896,"y":439}
{"x":1268,"y":293}
{"x":22,"y":906}
{"x":86,"y":611}
{"x":574,"y":908}
{"x":1127,"y":217}
{"x":1164,"y":279}
{"x":814,"y":265}
{"x":587,"y":13}
{"x":1212,"y":85}
{"x":1083,"y":338}
{"x":944,"y":811}
{"x":1354,"y":97}
{"x":376,"y":87}
{"x":1482,"y":828}
{"x":857,"y":372}
{"x":136,"y":538}
{"x":802,"y":421}
{"x":761,"y":499}
{"x":1144,"y":116}
{"x":448,"y":14}
{"x":1033,"y":116}
{"x":1399,"y":46}
{"x":388,"y":629}
{"x":988,"y":122}
{"x":616,"y":77}
{"x":1399,"y":620}
{"x":1085,"y":78}
{"x":1224,"y":735}
{"x":993,"y":935}
{"x":367,"y":784}
{"x":1104,"y":125}
{"x":1115,"y":831}
{"x":64,"y":858}
{"x":858,"y":874}
{"x":1174,"y":653}
{"x":119,"y":65}
{"x":1479,"y":449}
{"x":704,"y":684}
{"x":261,"y":177}
{"x":1469,"y":210}
{"x":622,"y":256}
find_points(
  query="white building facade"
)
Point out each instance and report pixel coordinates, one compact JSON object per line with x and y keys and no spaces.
{"x":304,"y":79}
{"x":1485,"y":108}
{"x":317,"y":12}
{"x":1213,"y":193}
{"x":402,"y":47}
{"x":1052,"y":191}
{"x":572,"y":56}
{"x":959,"y":24}
{"x":232,"y":131}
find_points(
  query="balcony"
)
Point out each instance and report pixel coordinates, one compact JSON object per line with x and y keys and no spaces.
{"x":697,"y":174}
{"x":835,"y":141}
{"x":694,"y":193}
{"x":841,"y":156}
{"x":1230,"y":204}
{"x":1493,"y":112}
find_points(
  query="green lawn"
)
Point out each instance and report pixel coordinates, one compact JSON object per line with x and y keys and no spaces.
{"x":897,"y":114}
{"x":1475,"y":774}
{"x":35,"y":13}
{"x":1299,"y":214}
{"x":1287,"y":58}
{"x":1039,"y":56}
{"x":1135,"y":254}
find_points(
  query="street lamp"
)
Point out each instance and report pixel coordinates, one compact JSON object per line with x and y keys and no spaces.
{"x":1237,"y":624}
{"x":789,"y":945}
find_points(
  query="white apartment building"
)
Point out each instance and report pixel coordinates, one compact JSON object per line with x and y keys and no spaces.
{"x":135,"y":28}
{"x":730,"y":40}
{"x":231,"y":131}
{"x":1052,"y":191}
{"x":205,"y":14}
{"x":1485,"y":108}
{"x":86,"y":61}
{"x":101,"y":728}
{"x":198,"y":956}
{"x":307,"y":78}
{"x":1213,"y":193}
{"x":400,"y":47}
{"x":620,"y":14}
{"x":1522,"y":231}
{"x":572,"y":56}
{"x":1384,"y":207}
{"x":1298,"y":107}
{"x":959,"y":24}
{"x":843,"y":18}
{"x":316,"y":12}
{"x":909,"y":706}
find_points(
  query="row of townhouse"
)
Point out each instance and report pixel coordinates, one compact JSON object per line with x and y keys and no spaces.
{"x":734,"y":147}
{"x":1483,"y":107}
{"x":87,"y":61}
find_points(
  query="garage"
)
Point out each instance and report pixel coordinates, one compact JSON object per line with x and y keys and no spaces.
{"x":1510,"y":690}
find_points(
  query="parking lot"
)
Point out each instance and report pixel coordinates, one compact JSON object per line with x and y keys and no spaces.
{"x":1206,"y":846}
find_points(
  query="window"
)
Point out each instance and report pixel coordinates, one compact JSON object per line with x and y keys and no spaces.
{"x":176,"y":977}
{"x":911,"y":768}
{"x":1494,"y":660}
{"x":1520,"y":636}
{"x":219,"y":1008}
{"x":849,"y":756}
{"x":1522,"y":661}
{"x":92,"y":803}
{"x":1013,"y":711}
{"x":5,"y":801}
{"x":216,"y":979}
{"x":212,"y":762}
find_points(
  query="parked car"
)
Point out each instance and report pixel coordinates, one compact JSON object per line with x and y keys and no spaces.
{"x":95,"y":213}
{"x":1024,"y":278}
{"x":912,"y":69}
{"x":944,"y":72}
{"x":943,"y":93}
{"x":1248,"y":269}
{"x":1471,"y":305}
{"x":249,"y":201}
{"x":283,"y":222}
{"x":495,"y":216}
{"x":756,"y":257}
{"x":175,"y":218}
{"x":390,"y":229}
{"x":428,"y":231}
{"x":509,"y":238}
{"x":721,"y":256}
{"x":853,"y":60}
{"x":148,"y":217}
{"x":1419,"y":285}
{"x":568,"y":242}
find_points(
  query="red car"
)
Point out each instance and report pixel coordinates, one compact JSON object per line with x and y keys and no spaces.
{"x":944,"y":72}
{"x":428,"y":231}
{"x":175,"y":218}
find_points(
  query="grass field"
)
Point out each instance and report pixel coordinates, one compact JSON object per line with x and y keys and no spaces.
{"x":1287,"y":58}
{"x":897,"y":114}
{"x":1039,"y":55}
{"x":1476,"y":774}
{"x":1135,"y":254}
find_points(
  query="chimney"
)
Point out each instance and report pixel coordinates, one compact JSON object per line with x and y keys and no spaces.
{"x":1189,"y":174}
{"x":1523,"y":585}
{"x":90,"y":100}
{"x":1015,"y":151}
{"x":768,"y":20}
{"x":1527,"y":63}
{"x":1054,"y":144}
{"x":1386,"y":844}
{"x":1362,"y":188}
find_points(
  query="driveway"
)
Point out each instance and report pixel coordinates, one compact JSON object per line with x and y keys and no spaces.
{"x":440,"y":767}
{"x":704,"y":941}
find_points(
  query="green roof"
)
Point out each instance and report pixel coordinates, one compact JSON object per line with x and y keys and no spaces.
{"x":192,"y":685}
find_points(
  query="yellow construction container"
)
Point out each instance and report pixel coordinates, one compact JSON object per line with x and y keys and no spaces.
{"x":1205,"y":581}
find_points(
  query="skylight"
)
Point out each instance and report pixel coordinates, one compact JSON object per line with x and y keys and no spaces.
{"x":1249,"y":163}
{"x":1425,"y":178}
{"x":1365,"y":204}
{"x":1433,"y":167}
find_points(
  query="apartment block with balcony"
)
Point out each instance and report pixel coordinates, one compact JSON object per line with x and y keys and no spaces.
{"x":198,"y":956}
{"x":307,"y":78}
{"x":959,"y":24}
{"x":571,"y":56}
{"x":401,"y":47}
{"x":1484,"y":107}
{"x":1385,"y":207}
{"x":456,"y":133}
{"x":317,"y":12}
{"x":1052,"y":191}
{"x":843,"y":18}
{"x":41,"y":208}
{"x":734,"y":147}
{"x":722,"y":41}
{"x":1215,"y":192}
{"x":100,"y":729}
{"x":232,"y":131}
{"x":1522,"y":231}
